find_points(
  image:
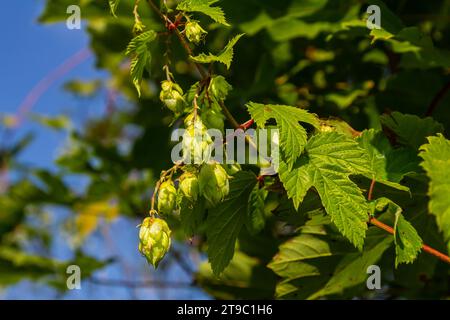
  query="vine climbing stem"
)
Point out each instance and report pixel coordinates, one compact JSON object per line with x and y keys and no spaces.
{"x":164,"y":174}
{"x":204,"y":74}
{"x":389,"y":229}
{"x":180,"y":36}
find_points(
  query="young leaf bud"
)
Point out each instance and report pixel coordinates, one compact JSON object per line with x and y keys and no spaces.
{"x":219,"y":87}
{"x":138,"y":27}
{"x":194,"y":32}
{"x":172,"y":96}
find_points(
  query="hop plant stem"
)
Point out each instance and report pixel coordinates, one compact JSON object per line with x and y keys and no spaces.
{"x":390,"y":230}
{"x":180,"y":36}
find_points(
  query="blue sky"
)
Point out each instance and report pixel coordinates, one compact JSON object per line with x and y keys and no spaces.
{"x":31,"y":52}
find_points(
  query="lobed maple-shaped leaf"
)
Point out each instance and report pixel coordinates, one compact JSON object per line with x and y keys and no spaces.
{"x":436,"y":162}
{"x":293,"y":136}
{"x":329,"y":161}
{"x":204,"y":6}
{"x":319,"y":262}
{"x":225,"y":56}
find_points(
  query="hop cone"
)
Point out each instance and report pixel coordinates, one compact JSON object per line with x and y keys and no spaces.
{"x":196,"y":142}
{"x":194,"y":32}
{"x":214,"y":185}
{"x":167,"y":197}
{"x":172,"y":96}
{"x":189,"y":186}
{"x":154,"y":240}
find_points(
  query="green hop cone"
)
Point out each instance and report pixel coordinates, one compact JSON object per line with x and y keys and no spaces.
{"x":219,"y":87}
{"x":154,"y":240}
{"x":213,"y":119}
{"x":172,"y":96}
{"x":189,"y":186}
{"x":167,"y":195}
{"x":194,"y":32}
{"x":214,"y":185}
{"x":189,"y":120}
{"x":196,"y":143}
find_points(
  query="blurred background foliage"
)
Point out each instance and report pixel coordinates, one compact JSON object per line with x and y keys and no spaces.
{"x":315,"y":54}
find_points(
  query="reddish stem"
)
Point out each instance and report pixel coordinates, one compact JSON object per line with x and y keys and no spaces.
{"x":425,"y":247}
{"x":247,"y":124}
{"x":372,"y":186}
{"x":390,"y":230}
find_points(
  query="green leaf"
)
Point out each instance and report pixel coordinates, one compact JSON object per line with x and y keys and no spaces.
{"x":315,"y":241}
{"x":436,"y":162}
{"x":192,"y":215}
{"x":319,"y":262}
{"x":245,"y":278}
{"x":390,"y":23}
{"x":407,"y":242}
{"x":225,"y":56}
{"x":59,"y":122}
{"x":416,"y":47}
{"x":204,"y":6}
{"x":352,"y":269}
{"x":226,"y":220}
{"x":410,"y":129}
{"x":17,"y":265}
{"x":292,"y":135}
{"x":113,"y":4}
{"x":141,"y":57}
{"x":389,"y":165}
{"x":329,"y":161}
{"x":256,"y":210}
{"x":85,"y":89}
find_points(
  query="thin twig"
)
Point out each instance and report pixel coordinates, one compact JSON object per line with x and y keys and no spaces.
{"x":141,"y":284}
{"x":188,"y":49}
{"x":44,"y":84}
{"x":180,"y":36}
{"x":437,"y":99}
{"x":247,"y":124}
{"x":425,"y":247}
{"x":372,"y":186}
{"x":164,"y":174}
{"x":137,"y":18}
{"x":390,"y":230}
{"x":229,"y":116}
